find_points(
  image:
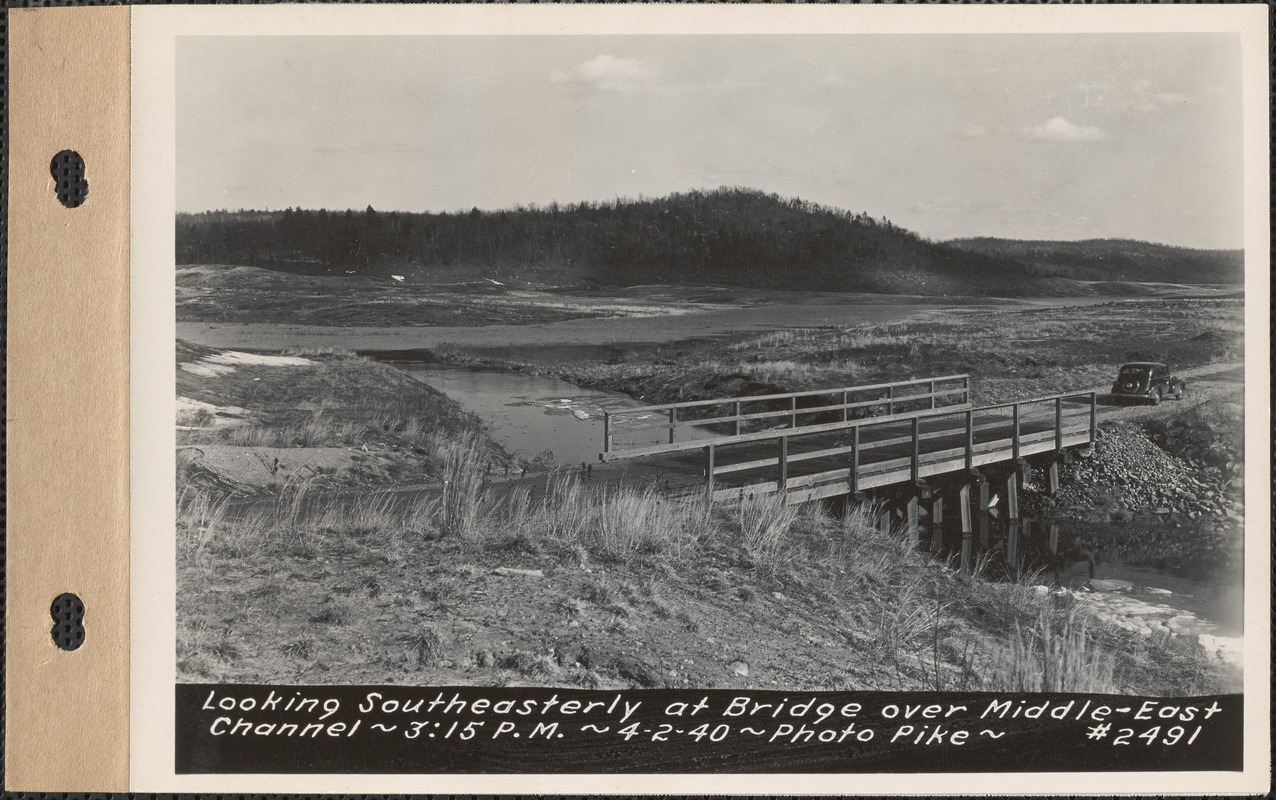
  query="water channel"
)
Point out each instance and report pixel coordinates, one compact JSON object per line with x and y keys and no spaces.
{"x":530,"y":414}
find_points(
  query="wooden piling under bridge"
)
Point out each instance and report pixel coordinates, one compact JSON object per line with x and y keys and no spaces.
{"x":828,"y":443}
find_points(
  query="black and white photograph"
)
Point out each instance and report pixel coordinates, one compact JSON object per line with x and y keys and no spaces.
{"x":762,"y":366}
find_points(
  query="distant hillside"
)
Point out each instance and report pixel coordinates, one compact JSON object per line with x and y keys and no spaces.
{"x":1115,"y":260}
{"x":730,"y":236}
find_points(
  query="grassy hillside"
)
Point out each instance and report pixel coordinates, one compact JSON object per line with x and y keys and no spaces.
{"x":729,"y":236}
{"x":1115,"y":260}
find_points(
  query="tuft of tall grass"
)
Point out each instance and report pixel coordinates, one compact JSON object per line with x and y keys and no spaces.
{"x":1041,"y":659}
{"x":640,"y":520}
{"x":425,"y":646}
{"x":764,"y":520}
{"x":460,"y":457}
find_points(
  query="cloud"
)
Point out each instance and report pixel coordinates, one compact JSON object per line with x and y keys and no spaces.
{"x":609,"y":72}
{"x":973,"y":132}
{"x":1059,"y":129}
{"x":948,"y":206}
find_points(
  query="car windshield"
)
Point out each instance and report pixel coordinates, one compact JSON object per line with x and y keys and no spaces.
{"x":1134,"y":372}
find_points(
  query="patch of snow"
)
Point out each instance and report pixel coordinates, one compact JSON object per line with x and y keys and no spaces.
{"x":497,"y":283}
{"x":221,"y":416}
{"x":578,"y":414}
{"x":236,"y":357}
{"x":204,"y":369}
{"x":398,"y":278}
{"x":187,"y":404}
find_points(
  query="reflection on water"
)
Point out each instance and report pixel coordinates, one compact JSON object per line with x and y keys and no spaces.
{"x":529,"y":414}
{"x":1118,"y":568}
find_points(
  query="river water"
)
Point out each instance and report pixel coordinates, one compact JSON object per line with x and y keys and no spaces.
{"x":1106,"y":565}
{"x":1113,"y":567}
{"x":530,"y":414}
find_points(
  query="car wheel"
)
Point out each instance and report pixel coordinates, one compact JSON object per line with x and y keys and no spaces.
{"x":1178,"y":395}
{"x":1156,"y":397}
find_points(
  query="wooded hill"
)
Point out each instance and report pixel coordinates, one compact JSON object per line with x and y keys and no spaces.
{"x":728,"y":236}
{"x":1115,"y":260}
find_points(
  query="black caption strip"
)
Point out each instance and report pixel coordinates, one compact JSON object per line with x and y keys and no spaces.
{"x":395,"y":729}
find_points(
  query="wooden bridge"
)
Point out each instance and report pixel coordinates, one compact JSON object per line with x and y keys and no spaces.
{"x":846,"y":441}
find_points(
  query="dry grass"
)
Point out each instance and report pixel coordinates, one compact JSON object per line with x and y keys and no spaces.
{"x":912,"y":622}
{"x":462,"y":505}
{"x":764,"y":522}
{"x":1049,"y":658}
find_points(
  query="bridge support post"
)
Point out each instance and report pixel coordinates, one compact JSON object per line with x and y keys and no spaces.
{"x":966,"y":528}
{"x":937,"y":524}
{"x":737,"y":417}
{"x":1012,"y":496}
{"x":673,"y":423}
{"x":1054,"y":538}
{"x":983,"y":511}
{"x":912,"y":513}
{"x":1053,"y":478}
{"x":1012,"y":547}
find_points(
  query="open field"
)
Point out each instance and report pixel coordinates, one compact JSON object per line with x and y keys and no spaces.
{"x":1010,"y":353}
{"x":624,"y":588}
{"x":245,"y":307}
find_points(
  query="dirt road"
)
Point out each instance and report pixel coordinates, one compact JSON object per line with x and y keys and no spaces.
{"x":1211,"y":383}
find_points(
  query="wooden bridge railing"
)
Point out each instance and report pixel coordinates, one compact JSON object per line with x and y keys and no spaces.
{"x":1043,"y":424}
{"x":706,"y":420}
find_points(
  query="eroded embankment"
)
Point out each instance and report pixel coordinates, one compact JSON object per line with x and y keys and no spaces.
{"x":257,"y":424}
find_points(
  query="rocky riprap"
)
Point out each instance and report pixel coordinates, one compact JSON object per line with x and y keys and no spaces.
{"x":1129,"y":475}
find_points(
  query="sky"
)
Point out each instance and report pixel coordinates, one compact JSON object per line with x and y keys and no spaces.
{"x":1040,"y":136}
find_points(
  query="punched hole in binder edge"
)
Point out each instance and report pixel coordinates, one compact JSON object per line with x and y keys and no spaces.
{"x":68,"y":621}
{"x":69,"y":181}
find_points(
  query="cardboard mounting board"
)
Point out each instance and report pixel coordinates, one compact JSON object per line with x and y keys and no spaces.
{"x":68,"y":401}
{"x":91,"y":350}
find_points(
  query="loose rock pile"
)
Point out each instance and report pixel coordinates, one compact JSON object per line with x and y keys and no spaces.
{"x":1129,"y":475}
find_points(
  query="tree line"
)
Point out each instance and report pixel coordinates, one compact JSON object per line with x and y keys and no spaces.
{"x":730,"y":235}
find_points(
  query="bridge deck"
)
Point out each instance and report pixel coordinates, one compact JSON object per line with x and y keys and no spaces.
{"x":812,"y":457}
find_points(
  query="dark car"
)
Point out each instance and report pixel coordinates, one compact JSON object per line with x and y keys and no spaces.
{"x":1149,"y":380}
